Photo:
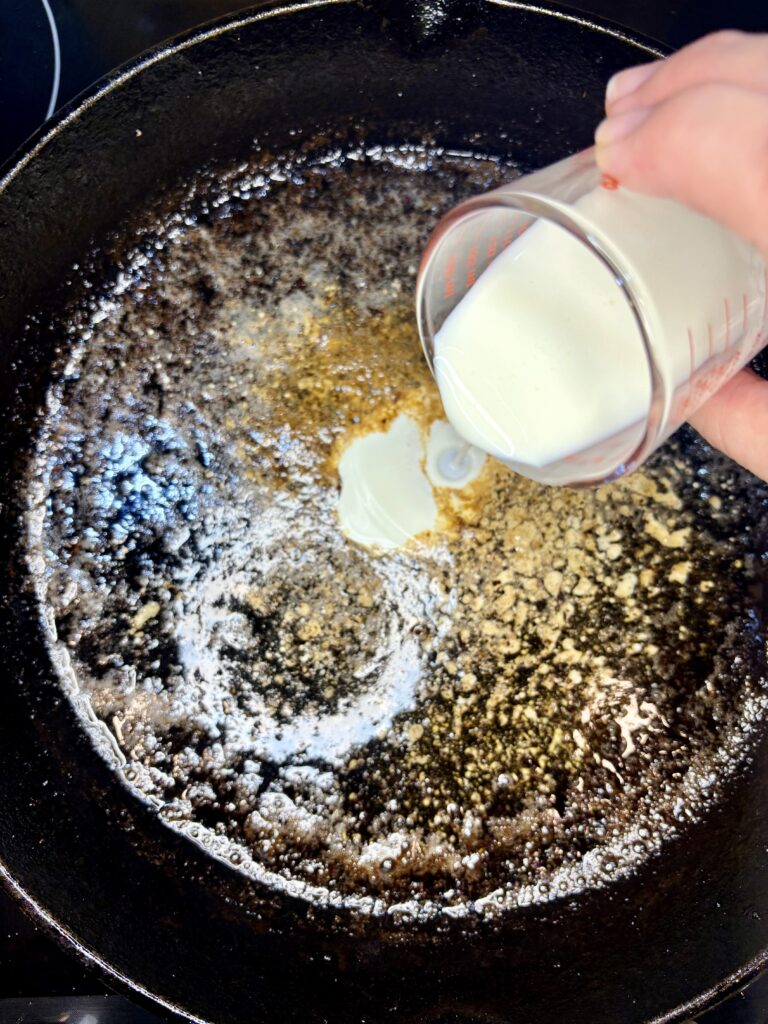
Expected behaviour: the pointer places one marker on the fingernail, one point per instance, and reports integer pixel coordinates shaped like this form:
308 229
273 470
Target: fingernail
626 82
614 129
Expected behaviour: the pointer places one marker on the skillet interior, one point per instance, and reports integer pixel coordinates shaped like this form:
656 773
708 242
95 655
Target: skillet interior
543 962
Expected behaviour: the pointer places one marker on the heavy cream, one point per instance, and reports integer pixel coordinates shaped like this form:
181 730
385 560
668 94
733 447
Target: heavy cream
385 497
388 480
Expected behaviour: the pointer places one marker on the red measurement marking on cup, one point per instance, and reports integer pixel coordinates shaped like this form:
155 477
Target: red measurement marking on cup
509 234
493 245
449 288
472 265
608 181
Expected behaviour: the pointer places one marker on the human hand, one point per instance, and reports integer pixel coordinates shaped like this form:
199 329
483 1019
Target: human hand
694 128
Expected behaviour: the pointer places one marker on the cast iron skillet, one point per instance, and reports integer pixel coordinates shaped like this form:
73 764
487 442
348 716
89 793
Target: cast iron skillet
131 896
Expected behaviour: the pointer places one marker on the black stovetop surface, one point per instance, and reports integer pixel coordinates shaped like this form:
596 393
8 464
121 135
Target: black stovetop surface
93 36
50 50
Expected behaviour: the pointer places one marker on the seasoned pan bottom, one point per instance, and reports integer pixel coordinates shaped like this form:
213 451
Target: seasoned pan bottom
530 702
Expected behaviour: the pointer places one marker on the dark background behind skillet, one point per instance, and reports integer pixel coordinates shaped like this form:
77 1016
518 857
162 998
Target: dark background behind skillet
49 51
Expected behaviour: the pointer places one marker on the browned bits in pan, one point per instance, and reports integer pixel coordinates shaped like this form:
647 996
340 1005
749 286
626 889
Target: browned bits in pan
530 702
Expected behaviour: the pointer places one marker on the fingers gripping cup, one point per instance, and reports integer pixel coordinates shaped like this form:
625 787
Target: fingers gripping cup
572 325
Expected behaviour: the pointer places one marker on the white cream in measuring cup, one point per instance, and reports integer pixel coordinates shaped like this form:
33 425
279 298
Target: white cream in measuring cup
566 366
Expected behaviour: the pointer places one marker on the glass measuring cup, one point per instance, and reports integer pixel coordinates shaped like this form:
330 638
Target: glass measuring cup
611 318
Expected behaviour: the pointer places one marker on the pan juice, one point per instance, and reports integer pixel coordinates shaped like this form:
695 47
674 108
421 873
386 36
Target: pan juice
524 704
543 357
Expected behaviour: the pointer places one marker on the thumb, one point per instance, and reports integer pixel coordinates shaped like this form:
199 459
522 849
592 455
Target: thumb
735 420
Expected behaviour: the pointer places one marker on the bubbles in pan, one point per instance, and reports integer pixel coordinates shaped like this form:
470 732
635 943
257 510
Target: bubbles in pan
528 702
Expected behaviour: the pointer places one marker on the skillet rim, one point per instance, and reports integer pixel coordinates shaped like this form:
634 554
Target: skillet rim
16 165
